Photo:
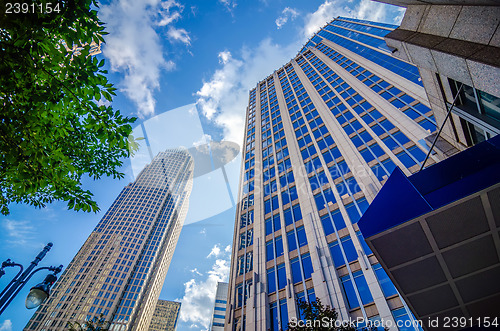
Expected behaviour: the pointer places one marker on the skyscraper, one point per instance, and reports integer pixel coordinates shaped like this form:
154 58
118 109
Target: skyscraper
323 133
218 316
120 269
165 316
442 248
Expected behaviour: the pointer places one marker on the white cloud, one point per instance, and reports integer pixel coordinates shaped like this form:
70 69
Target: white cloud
223 98
228 249
179 35
229 4
168 12
195 271
400 14
287 14
371 10
325 13
199 296
133 45
6 326
224 57
19 232
205 139
215 251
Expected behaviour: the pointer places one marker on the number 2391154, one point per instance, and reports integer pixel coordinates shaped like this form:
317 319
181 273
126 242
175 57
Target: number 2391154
31 8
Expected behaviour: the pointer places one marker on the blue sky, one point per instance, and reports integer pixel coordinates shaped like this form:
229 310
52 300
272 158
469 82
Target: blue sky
191 63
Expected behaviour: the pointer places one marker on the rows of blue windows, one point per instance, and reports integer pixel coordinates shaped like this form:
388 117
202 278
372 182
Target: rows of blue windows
333 221
319 179
360 139
405 150
275 247
342 178
358 32
344 250
372 28
417 111
130 255
357 276
275 321
336 34
301 266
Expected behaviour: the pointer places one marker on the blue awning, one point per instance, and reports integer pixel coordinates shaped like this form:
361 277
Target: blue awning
404 198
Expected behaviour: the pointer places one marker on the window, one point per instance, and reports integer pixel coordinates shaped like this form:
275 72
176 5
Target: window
288 216
269 251
338 220
363 290
297 214
366 249
301 236
281 276
352 211
417 153
271 281
239 295
246 239
276 222
267 206
269 226
273 309
384 281
311 297
402 318
284 314
241 265
407 161
275 202
279 246
307 265
292 244
349 251
352 300
327 225
296 272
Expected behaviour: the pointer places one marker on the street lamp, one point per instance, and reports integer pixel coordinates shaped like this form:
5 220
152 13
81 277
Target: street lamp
39 293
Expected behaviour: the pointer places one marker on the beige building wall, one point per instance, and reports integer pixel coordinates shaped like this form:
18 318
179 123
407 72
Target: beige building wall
165 316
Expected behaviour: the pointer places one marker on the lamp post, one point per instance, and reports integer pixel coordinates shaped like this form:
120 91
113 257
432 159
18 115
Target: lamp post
38 293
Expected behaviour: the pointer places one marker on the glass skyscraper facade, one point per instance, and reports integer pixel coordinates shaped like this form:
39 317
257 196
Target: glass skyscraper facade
120 269
165 316
323 133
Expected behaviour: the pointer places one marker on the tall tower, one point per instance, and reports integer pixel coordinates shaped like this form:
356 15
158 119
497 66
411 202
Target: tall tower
323 133
120 269
217 323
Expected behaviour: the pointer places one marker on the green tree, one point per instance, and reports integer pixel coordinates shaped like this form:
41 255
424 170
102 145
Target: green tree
53 127
95 324
317 317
